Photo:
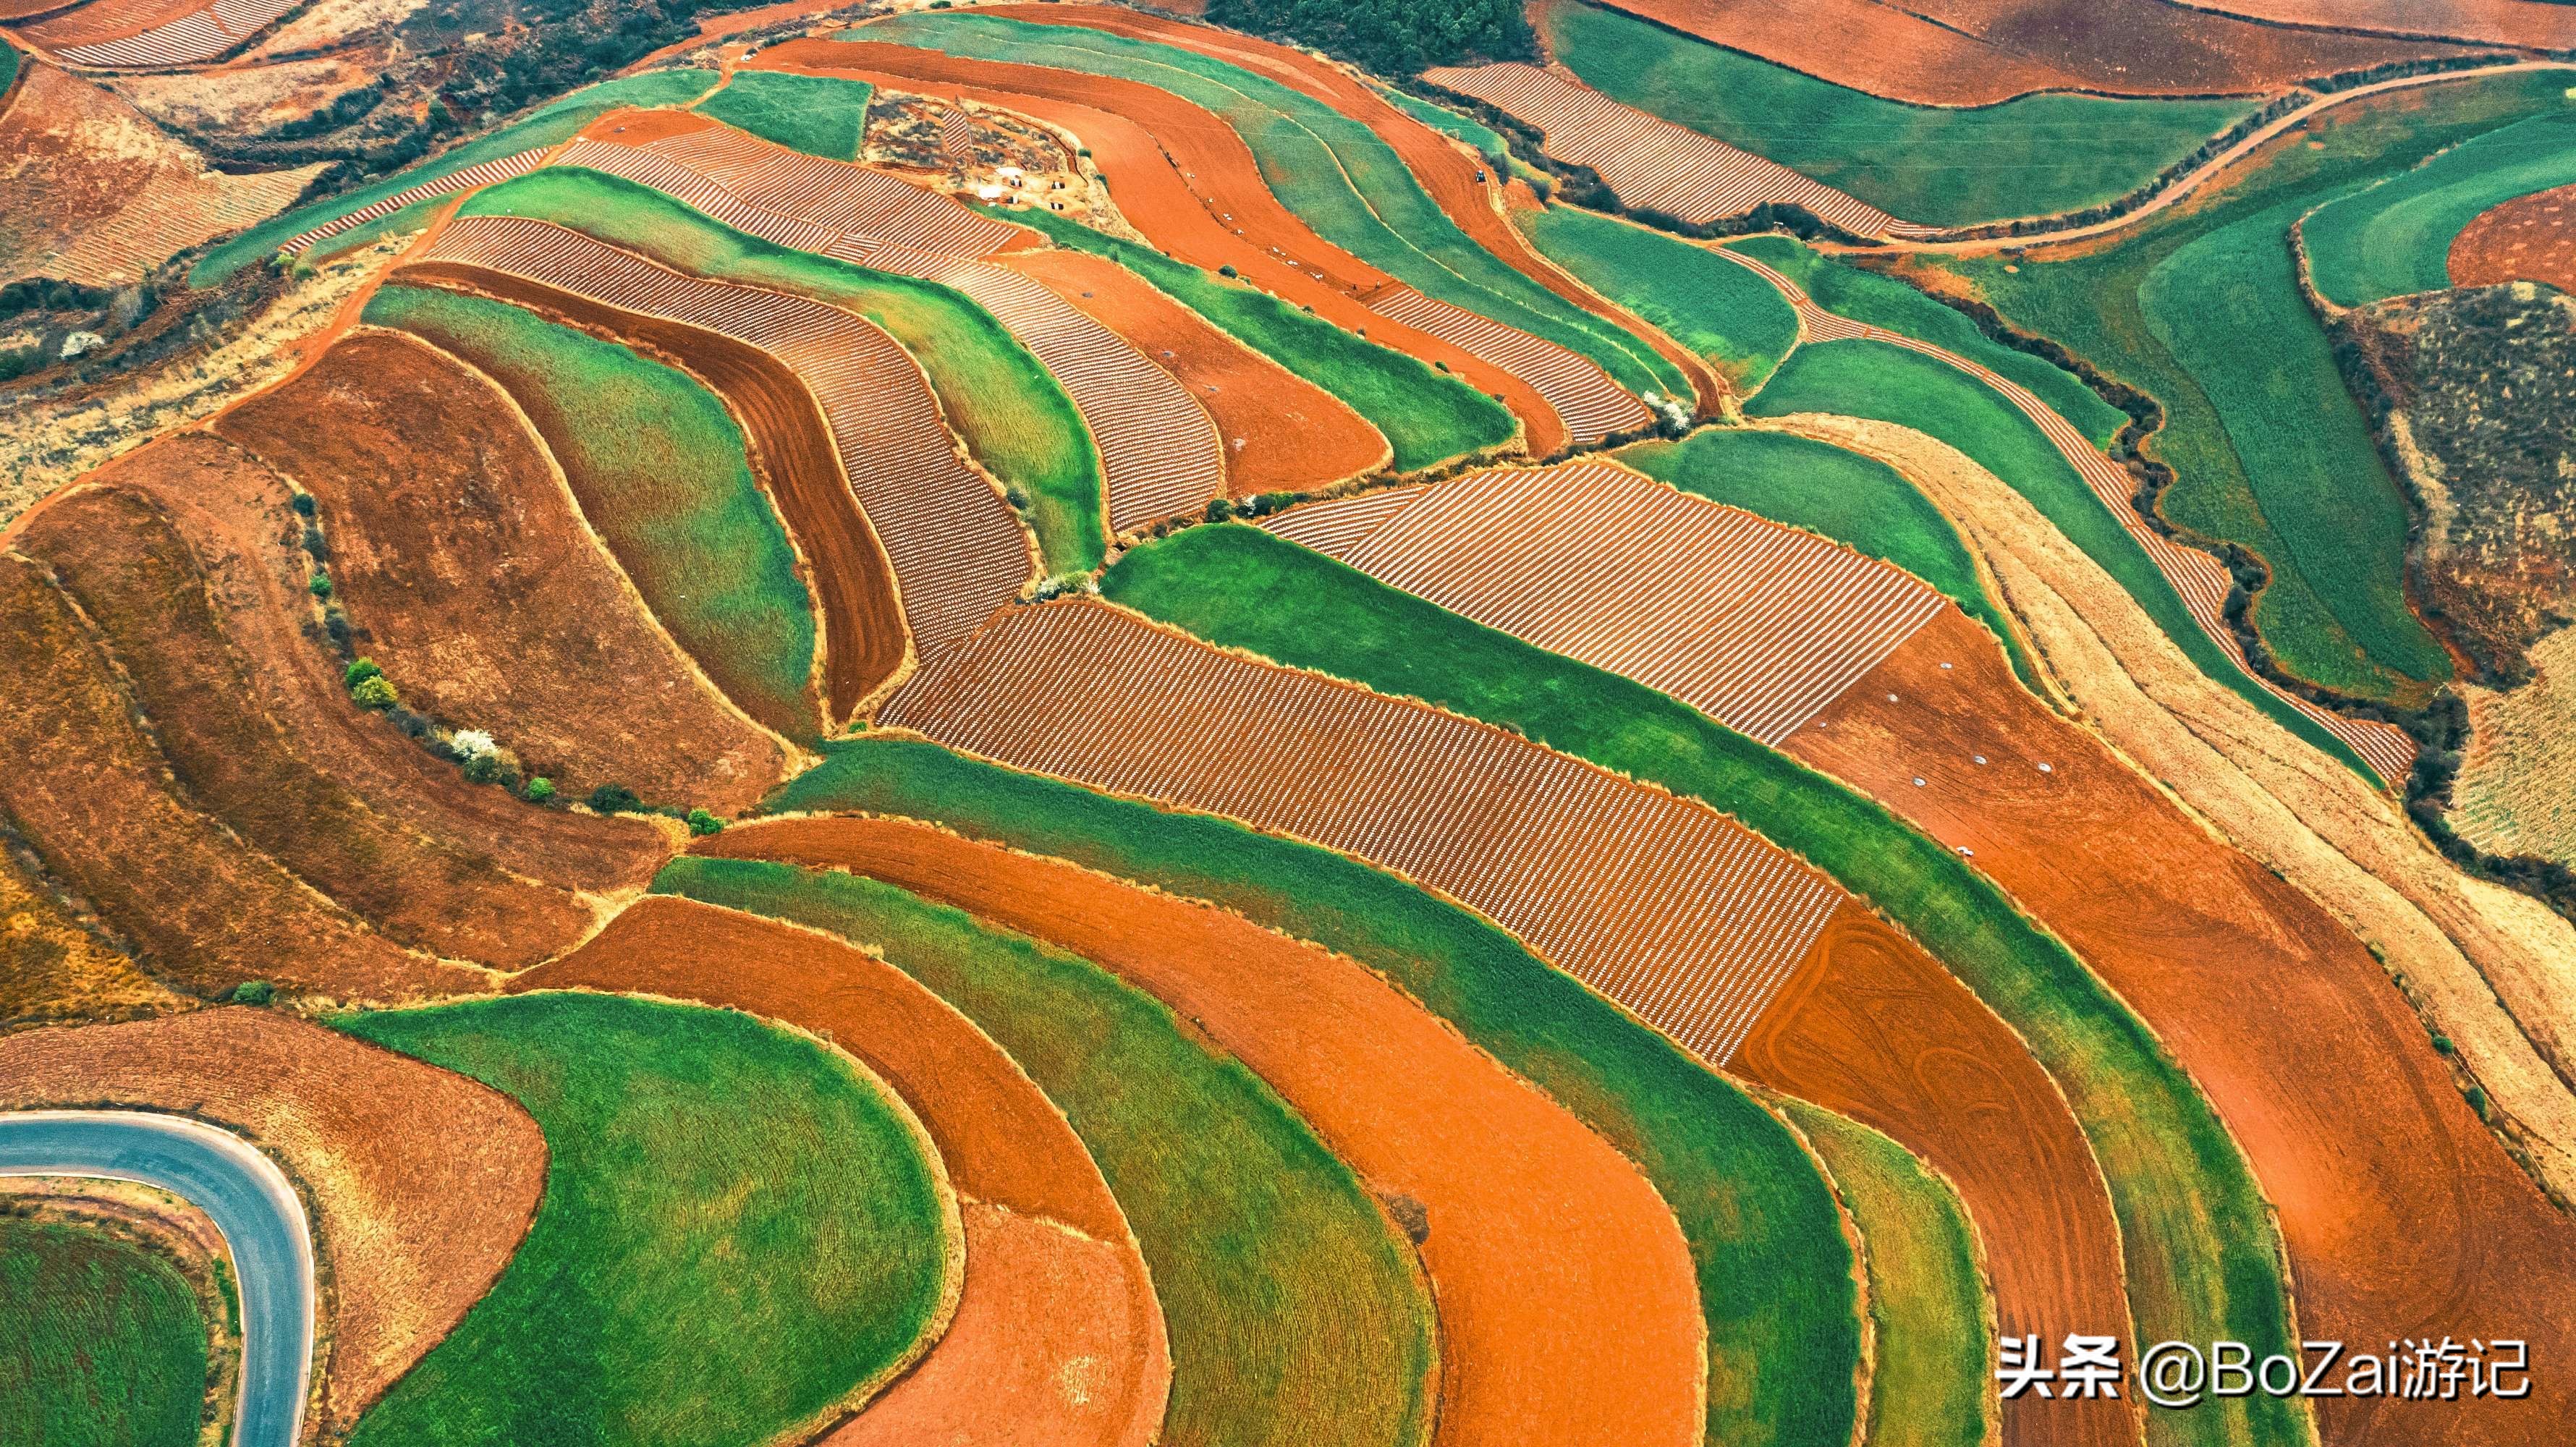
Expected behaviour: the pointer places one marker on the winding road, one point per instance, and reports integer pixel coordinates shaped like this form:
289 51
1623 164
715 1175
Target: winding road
251 1202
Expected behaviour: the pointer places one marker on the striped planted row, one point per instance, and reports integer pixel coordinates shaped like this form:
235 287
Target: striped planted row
1159 451
482 174
1661 903
198 36
1653 164
956 550
1756 625
1590 404
2201 580
1337 526
839 194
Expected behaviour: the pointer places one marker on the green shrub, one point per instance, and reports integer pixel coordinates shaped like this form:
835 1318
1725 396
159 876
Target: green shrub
702 823
615 799
360 671
482 768
374 692
540 790
253 992
319 585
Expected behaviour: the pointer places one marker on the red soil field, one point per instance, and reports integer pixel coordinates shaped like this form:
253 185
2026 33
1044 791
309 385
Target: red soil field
458 550
1281 433
146 589
1569 1311
1754 624
420 1182
1186 180
2529 238
1873 1027
864 643
1003 1142
1660 903
1977 52
2504 22
89 792
2402 1215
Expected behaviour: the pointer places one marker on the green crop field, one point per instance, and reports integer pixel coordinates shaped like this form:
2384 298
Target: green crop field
104 1344
1295 1314
1841 495
1331 170
2317 475
549 125
1006 407
815 114
2034 155
2093 304
1707 303
8 66
1890 384
1488 143
399 222
1775 1273
740 1230
660 470
2395 238
1927 1298
1427 417
2200 1248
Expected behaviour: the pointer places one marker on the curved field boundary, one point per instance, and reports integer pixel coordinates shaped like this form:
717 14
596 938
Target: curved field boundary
1160 454
843 195
472 178
1757 625
1590 404
1652 163
956 549
2200 579
2395 238
1664 905
198 36
2529 238
253 1205
1338 525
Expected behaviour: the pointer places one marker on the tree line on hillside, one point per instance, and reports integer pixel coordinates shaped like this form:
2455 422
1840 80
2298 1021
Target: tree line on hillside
1391 37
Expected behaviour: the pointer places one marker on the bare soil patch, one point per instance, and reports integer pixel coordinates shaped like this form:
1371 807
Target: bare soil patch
2529 238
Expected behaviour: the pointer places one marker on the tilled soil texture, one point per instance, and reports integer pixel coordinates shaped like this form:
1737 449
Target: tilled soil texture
1567 1297
2501 22
1978 52
2402 1215
92 192
420 1182
460 556
1187 182
1464 186
148 591
235 512
90 791
1873 1027
2529 238
865 645
1004 1144
1281 432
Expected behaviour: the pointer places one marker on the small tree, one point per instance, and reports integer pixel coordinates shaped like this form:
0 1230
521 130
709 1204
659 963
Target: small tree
253 992
701 822
614 799
541 790
320 585
375 693
360 671
482 768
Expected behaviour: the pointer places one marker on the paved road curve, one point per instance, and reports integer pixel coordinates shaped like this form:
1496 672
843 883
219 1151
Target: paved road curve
251 1203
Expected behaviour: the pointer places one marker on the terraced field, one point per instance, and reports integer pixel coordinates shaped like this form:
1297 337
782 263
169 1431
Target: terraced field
1742 328
2397 237
813 114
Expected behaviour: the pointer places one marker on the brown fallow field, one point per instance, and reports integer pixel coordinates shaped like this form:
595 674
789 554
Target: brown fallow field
419 1182
2529 238
1188 184
91 191
1569 1311
457 547
1281 432
956 550
1978 52
2402 1214
1057 1339
1660 903
2537 23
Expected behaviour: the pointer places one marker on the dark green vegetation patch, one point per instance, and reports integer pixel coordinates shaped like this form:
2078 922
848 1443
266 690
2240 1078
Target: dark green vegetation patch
816 114
1727 314
102 1343
739 1230
1391 37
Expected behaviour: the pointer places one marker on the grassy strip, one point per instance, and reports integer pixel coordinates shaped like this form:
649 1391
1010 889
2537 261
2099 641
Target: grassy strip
2395 238
1333 171
1841 495
2197 1236
816 114
1891 384
1428 417
105 1346
1927 1299
1006 407
414 217
661 471
2034 155
1295 1314
2316 471
1487 142
552 125
8 65
1774 1271
1709 304
1883 301
2092 303
739 1230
